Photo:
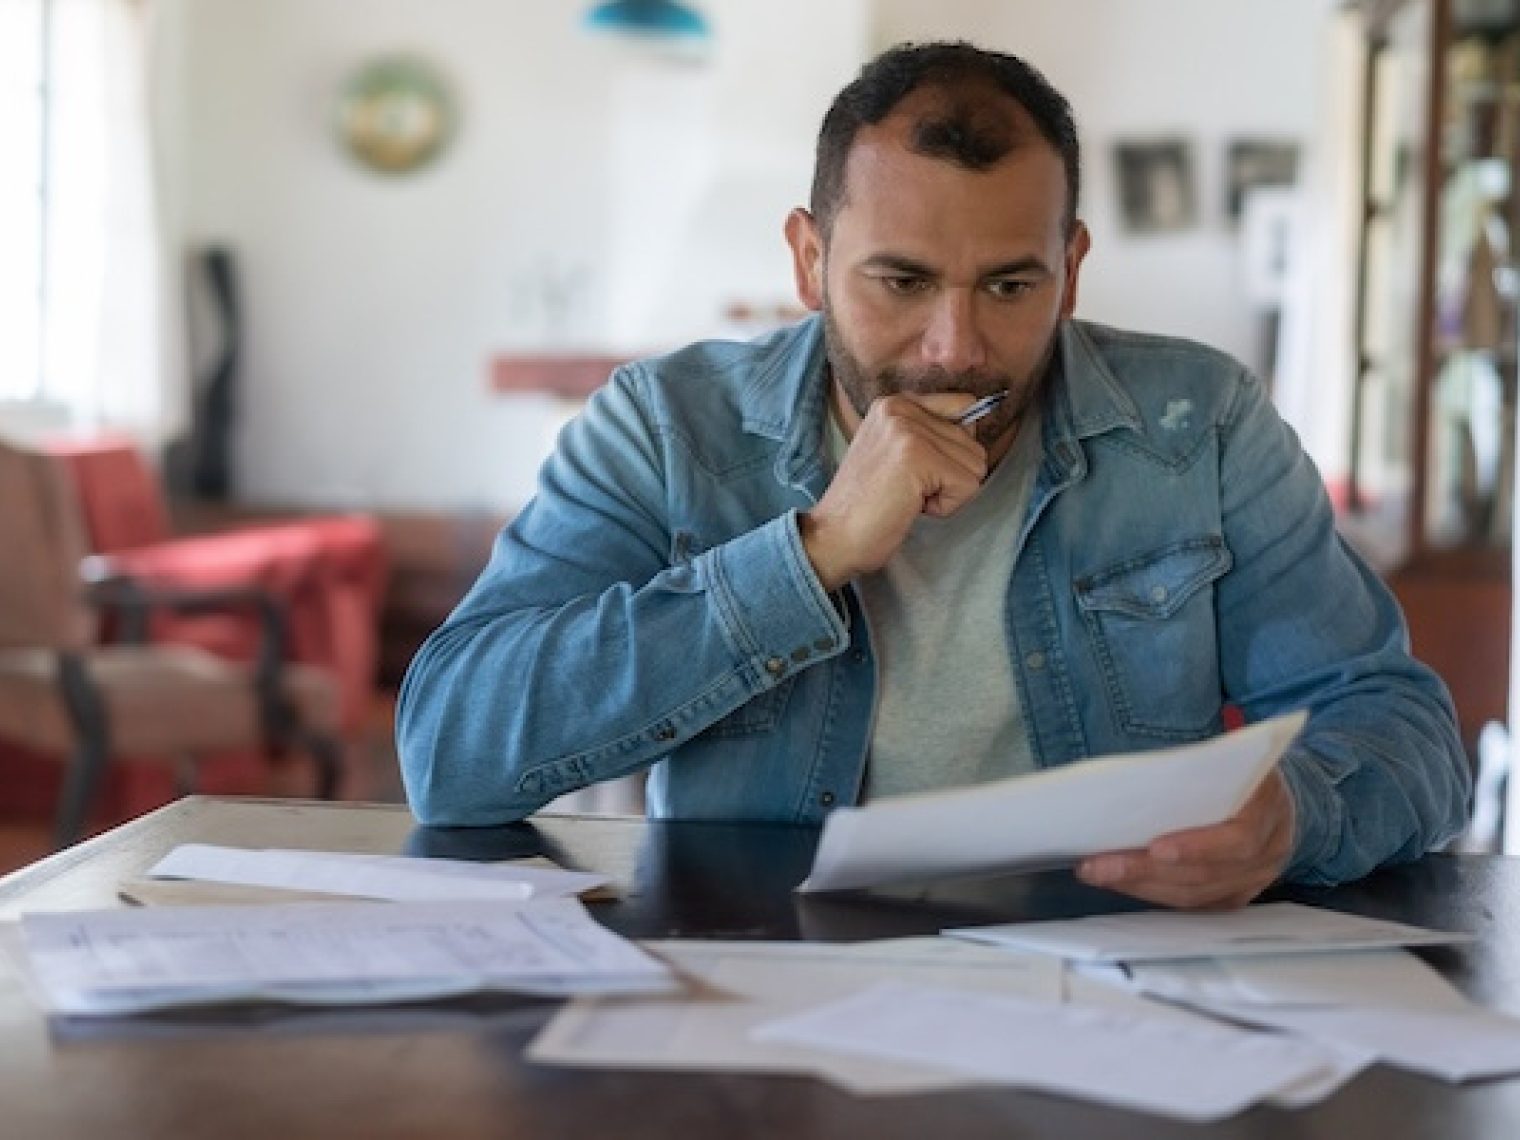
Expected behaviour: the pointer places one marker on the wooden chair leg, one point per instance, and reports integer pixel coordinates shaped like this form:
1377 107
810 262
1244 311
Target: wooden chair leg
186 775
81 782
327 752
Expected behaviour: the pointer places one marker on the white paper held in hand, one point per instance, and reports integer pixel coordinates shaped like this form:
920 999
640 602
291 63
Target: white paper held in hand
1052 818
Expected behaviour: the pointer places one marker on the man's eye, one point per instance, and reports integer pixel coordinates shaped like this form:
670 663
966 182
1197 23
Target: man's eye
905 285
1007 289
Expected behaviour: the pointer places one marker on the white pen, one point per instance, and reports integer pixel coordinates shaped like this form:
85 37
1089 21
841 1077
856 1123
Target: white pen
982 408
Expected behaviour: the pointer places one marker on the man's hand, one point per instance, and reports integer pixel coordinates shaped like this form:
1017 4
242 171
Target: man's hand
908 458
1219 867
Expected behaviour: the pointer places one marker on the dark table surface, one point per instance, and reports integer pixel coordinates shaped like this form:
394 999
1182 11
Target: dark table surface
456 1069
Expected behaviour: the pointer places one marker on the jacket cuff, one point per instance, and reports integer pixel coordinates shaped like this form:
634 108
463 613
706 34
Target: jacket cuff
771 602
1316 818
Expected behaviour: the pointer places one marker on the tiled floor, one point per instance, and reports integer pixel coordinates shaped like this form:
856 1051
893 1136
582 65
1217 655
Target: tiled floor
372 775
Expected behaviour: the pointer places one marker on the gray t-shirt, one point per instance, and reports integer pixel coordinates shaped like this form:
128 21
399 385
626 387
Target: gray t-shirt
947 708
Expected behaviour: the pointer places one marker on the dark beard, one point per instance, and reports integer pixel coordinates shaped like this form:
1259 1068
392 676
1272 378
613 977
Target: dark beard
863 389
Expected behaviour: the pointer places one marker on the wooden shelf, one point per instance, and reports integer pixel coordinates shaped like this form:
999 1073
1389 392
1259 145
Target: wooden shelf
573 376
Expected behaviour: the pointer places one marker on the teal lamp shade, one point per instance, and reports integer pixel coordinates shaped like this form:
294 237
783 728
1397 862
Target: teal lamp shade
661 19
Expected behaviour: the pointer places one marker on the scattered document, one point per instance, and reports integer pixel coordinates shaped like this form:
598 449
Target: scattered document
1267 928
130 960
1450 1045
1352 979
1049 819
738 986
1111 986
1195 1072
1386 1003
397 879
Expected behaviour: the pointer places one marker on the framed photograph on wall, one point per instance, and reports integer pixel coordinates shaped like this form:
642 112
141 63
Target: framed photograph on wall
1250 163
1157 185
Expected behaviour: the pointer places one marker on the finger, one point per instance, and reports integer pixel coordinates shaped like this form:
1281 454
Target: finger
1231 841
1127 871
1184 888
1219 893
946 462
1264 823
1214 896
914 414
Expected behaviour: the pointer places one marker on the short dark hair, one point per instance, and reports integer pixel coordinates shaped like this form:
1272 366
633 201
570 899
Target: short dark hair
960 134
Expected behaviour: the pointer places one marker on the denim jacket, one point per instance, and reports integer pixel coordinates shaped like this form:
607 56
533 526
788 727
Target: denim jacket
653 605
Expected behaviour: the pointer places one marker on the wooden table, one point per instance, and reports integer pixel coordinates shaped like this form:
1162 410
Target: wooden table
455 1070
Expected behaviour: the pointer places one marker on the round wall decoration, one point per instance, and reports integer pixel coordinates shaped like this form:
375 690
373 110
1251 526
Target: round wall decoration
395 114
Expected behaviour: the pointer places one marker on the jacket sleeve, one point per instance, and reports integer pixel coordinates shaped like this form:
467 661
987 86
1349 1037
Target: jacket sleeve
593 643
1379 773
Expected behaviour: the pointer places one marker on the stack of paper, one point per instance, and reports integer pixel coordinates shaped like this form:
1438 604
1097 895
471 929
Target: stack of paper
916 1015
123 961
924 1014
1384 1002
1197 1072
1337 979
1268 928
740 986
370 876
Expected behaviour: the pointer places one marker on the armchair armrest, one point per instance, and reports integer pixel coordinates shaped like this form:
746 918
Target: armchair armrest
133 602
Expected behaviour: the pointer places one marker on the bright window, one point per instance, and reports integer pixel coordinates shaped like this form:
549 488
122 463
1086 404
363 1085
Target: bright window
24 33
59 195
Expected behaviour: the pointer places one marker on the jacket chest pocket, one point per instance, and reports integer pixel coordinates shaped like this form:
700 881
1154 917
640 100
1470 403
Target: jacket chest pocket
1152 626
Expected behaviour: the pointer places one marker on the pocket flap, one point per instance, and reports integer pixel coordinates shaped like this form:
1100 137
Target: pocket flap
1157 584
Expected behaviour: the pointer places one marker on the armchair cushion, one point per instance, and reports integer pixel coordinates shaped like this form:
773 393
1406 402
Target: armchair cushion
158 699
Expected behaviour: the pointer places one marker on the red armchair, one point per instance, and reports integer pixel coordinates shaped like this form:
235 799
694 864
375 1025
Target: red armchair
327 572
65 694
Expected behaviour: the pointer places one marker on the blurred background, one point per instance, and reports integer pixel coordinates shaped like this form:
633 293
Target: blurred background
275 264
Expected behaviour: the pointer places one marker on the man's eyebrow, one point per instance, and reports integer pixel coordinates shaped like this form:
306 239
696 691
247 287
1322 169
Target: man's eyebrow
1014 268
901 263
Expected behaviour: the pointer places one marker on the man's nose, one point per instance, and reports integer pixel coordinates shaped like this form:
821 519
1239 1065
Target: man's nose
952 339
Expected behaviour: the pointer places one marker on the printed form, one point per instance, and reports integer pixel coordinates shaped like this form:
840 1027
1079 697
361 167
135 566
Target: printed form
124 961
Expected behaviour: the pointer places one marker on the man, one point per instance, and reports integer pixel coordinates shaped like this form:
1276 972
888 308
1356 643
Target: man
784 575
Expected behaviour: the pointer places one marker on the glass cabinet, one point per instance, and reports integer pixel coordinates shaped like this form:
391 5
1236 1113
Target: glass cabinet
1432 450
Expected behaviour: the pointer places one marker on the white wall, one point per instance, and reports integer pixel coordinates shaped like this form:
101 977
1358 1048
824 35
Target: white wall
374 305
650 193
1206 70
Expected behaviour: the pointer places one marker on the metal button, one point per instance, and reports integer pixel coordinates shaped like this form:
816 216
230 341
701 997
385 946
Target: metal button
665 732
802 654
1158 593
827 799
775 666
1035 660
824 644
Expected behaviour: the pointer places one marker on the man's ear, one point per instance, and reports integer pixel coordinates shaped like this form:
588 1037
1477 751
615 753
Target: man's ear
807 257
1076 249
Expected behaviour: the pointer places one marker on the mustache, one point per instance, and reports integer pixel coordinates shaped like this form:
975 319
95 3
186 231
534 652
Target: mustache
943 380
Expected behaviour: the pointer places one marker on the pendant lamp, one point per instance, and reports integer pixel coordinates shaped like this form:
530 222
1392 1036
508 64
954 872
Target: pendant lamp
658 19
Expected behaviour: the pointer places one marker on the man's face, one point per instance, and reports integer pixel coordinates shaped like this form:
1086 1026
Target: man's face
935 278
